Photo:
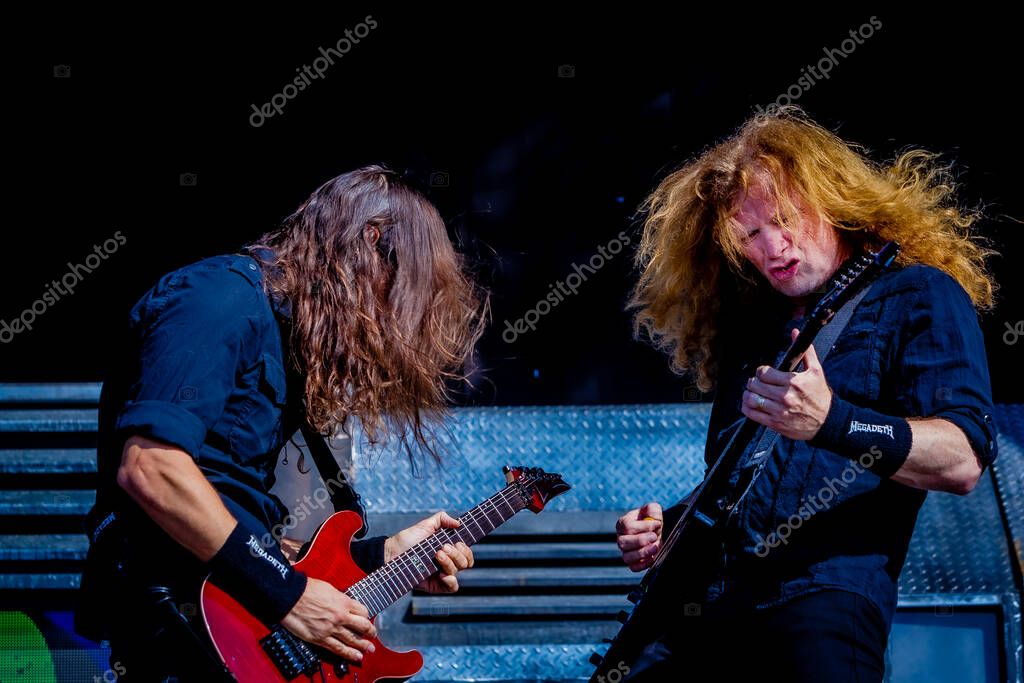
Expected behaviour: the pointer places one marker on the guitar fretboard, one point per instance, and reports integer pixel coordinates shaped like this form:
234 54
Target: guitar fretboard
386 585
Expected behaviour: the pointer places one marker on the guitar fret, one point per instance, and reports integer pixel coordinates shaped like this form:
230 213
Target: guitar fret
408 574
386 586
371 601
389 583
494 510
482 532
378 603
374 594
511 510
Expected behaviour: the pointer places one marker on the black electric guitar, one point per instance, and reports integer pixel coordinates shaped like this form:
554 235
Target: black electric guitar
686 563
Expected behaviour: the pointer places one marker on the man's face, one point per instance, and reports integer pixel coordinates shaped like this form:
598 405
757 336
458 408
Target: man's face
794 269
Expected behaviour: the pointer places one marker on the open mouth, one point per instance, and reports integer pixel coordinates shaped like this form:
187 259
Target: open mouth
787 271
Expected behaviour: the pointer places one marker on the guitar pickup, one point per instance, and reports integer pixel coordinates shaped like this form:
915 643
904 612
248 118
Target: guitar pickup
292 656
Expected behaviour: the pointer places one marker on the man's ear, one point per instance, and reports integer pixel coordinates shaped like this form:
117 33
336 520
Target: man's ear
371 233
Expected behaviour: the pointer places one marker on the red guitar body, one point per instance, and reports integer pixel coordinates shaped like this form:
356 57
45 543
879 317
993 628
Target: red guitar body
236 633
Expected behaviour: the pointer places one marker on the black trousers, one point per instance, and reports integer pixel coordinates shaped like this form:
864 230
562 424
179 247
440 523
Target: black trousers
153 617
160 638
830 635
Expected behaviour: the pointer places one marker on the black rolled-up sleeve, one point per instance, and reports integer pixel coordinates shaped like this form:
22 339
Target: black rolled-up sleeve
942 367
368 553
191 331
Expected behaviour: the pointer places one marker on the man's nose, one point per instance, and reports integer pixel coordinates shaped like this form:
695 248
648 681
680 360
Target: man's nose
777 241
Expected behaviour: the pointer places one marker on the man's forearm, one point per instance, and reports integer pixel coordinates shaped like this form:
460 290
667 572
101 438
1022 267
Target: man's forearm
166 483
928 453
940 459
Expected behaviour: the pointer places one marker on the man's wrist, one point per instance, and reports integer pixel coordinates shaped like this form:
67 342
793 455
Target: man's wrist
879 442
257 576
390 549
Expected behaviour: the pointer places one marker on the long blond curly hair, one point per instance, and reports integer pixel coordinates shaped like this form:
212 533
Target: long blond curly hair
382 331
690 257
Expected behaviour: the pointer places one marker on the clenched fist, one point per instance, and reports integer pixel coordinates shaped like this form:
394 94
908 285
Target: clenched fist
639 536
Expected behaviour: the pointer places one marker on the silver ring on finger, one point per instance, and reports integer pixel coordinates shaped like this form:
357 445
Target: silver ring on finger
760 402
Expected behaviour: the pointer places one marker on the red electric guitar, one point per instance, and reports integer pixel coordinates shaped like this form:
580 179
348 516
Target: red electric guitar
256 654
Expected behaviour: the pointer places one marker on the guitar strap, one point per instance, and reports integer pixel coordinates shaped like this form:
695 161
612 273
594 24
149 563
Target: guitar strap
824 342
343 495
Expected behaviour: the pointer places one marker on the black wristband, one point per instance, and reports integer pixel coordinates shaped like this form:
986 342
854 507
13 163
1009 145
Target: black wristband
880 443
257 576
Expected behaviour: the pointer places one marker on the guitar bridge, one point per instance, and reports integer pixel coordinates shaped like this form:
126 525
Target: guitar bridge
291 655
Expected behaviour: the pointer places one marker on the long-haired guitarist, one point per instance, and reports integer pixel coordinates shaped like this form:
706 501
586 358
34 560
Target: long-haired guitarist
738 246
358 306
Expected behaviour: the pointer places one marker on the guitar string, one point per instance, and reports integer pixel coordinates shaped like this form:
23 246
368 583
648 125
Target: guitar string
369 588
372 584
380 600
404 561
472 515
402 564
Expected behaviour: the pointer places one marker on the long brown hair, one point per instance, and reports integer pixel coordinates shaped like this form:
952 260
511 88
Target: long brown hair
383 331
690 257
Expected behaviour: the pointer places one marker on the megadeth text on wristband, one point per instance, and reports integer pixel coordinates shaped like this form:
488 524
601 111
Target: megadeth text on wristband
851 430
257 576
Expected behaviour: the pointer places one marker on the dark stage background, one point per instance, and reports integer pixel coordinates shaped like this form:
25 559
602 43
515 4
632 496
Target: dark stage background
536 135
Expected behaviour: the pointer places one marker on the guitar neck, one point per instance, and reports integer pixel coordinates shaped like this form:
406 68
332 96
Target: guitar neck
846 286
387 585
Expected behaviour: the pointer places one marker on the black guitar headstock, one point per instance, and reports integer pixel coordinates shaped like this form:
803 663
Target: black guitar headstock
850 280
